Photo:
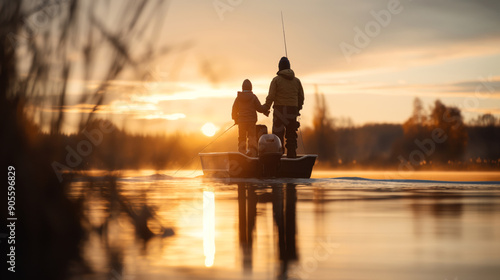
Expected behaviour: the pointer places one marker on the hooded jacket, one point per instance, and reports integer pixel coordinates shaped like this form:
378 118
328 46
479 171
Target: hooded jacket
245 107
285 90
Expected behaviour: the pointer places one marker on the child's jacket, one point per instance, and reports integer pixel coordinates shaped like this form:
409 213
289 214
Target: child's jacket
245 107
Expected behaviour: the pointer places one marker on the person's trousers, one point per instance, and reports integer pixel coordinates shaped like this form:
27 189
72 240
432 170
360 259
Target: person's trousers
285 125
247 131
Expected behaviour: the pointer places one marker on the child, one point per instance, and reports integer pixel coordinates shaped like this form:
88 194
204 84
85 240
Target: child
245 108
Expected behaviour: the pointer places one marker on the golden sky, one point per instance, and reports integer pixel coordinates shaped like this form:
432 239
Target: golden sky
370 59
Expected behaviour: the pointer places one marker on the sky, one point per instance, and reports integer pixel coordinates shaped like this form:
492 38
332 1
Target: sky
369 58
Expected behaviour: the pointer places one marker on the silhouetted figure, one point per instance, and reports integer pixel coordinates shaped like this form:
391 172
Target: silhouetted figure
287 94
244 113
247 212
284 212
284 201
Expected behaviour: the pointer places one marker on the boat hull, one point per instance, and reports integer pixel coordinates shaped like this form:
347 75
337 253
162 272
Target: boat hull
238 165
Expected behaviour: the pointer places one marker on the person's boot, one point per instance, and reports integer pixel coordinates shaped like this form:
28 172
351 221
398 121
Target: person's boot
242 147
252 147
291 153
291 150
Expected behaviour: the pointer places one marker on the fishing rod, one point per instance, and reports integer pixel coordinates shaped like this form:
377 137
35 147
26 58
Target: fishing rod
284 37
217 138
286 54
204 148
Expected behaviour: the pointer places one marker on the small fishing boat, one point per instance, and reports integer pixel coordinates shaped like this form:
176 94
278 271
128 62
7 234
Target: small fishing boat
238 165
270 163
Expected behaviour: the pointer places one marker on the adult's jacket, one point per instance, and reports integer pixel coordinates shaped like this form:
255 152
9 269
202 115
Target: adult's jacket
285 90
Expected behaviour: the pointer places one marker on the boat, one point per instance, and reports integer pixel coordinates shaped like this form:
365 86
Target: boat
270 162
238 165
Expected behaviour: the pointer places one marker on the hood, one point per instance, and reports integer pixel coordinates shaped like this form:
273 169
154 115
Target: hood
287 74
245 95
284 63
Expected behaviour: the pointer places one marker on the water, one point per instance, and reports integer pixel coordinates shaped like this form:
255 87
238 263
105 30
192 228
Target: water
323 228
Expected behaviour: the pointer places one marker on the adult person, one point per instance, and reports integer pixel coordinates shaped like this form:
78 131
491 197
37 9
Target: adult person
287 95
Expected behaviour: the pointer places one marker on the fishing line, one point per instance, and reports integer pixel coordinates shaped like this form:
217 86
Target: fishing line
203 149
302 139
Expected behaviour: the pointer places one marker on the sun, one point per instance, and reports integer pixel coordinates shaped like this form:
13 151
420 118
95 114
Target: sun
209 129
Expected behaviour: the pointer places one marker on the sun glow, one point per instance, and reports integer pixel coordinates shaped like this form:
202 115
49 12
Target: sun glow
209 129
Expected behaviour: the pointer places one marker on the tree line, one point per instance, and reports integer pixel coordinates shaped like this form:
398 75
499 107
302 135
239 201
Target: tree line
428 139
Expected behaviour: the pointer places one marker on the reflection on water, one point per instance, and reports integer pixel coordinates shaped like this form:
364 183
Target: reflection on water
209 227
284 199
155 227
247 212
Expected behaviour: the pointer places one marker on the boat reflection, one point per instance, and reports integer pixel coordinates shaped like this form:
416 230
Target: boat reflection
284 200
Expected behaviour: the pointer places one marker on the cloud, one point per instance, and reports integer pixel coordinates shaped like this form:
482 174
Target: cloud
170 117
424 32
357 83
483 86
493 111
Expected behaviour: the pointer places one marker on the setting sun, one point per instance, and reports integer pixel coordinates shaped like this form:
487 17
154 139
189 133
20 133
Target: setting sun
209 129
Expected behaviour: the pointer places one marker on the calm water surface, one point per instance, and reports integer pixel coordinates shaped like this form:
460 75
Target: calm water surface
336 226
